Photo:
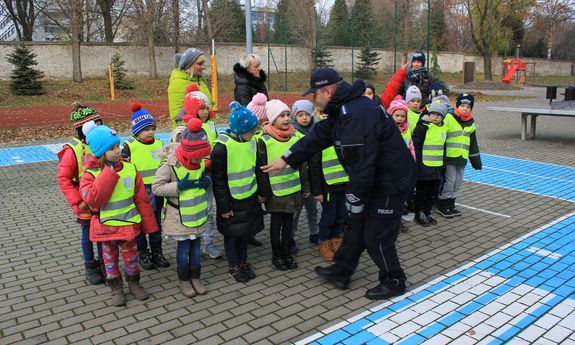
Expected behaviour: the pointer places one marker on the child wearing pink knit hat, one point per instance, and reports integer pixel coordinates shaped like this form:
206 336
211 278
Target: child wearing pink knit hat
398 110
258 106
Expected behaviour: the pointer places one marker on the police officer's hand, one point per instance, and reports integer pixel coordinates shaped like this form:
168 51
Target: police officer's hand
228 215
353 204
274 167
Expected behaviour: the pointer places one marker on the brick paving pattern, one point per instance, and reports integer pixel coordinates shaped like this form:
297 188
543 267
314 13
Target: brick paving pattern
44 298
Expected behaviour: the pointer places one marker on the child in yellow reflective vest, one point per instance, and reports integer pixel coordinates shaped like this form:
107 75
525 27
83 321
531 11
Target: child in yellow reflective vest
121 210
142 149
281 193
69 173
182 180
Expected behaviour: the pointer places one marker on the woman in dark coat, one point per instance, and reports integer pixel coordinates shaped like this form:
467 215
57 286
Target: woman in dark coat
249 79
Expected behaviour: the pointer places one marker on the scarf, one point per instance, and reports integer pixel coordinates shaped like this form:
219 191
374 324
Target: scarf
464 117
185 159
278 134
403 127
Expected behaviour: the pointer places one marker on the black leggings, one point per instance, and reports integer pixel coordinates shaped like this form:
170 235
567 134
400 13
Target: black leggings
281 224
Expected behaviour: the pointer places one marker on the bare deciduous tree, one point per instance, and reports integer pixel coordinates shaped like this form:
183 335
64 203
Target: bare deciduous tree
550 16
23 14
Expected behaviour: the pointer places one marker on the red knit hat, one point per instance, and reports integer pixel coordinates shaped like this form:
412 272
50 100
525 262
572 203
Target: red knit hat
195 100
194 143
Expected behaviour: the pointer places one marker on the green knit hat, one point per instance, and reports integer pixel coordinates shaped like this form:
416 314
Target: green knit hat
82 114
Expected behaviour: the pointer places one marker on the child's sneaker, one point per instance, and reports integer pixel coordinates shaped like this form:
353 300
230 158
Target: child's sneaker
145 260
456 212
279 263
93 274
421 219
248 270
290 262
431 220
443 208
159 259
212 251
239 275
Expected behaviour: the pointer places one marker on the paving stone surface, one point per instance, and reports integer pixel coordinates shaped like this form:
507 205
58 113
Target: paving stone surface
44 298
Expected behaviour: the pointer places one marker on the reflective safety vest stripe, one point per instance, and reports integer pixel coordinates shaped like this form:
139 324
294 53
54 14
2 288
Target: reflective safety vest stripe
412 119
120 209
458 138
210 129
333 172
193 203
433 145
287 181
241 166
145 157
406 136
80 149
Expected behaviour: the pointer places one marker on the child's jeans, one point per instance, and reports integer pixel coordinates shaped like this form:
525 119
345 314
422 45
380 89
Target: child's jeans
333 215
425 193
452 181
111 250
188 254
236 250
281 225
88 246
310 205
154 238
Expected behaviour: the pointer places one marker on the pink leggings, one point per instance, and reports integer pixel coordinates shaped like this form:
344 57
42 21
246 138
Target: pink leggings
111 258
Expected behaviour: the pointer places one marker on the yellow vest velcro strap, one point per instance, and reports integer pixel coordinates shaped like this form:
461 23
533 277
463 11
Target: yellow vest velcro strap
241 175
457 146
335 175
193 202
433 147
243 189
122 216
433 158
330 163
147 173
116 205
188 218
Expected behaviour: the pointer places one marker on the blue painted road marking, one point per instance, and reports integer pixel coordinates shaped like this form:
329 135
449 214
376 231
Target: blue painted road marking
518 284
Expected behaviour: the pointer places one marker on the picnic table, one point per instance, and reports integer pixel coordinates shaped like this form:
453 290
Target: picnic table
533 113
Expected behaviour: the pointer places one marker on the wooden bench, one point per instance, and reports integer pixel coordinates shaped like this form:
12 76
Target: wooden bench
533 112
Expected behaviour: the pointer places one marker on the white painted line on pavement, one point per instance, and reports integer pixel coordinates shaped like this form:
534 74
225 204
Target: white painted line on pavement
482 210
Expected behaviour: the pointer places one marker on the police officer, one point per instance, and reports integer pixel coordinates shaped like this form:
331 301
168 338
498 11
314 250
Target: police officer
381 172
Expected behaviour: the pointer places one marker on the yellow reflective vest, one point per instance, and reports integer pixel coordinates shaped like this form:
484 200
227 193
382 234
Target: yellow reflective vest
433 145
120 209
288 180
210 129
333 172
80 149
412 119
145 157
193 203
241 166
458 138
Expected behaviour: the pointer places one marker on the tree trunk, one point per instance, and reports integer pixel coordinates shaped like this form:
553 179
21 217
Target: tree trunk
106 10
176 17
150 12
487 67
76 29
208 21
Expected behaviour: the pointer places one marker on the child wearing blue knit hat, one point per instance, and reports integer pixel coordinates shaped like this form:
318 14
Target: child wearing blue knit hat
239 214
143 150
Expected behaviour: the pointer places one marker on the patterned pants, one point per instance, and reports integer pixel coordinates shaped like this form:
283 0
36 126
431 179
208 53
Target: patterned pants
111 250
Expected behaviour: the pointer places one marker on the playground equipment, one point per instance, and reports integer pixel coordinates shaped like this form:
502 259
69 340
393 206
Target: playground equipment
511 67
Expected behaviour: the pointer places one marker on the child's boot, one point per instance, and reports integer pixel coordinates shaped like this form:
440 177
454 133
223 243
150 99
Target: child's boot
159 259
196 282
278 260
443 208
135 288
421 219
185 284
287 255
248 270
453 209
431 220
117 287
238 274
102 267
145 259
93 274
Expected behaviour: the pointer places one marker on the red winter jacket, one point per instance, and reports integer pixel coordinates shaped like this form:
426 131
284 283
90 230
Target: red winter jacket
96 191
66 173
391 88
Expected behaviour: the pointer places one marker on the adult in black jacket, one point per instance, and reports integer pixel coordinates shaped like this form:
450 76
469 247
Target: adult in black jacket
418 75
381 171
249 79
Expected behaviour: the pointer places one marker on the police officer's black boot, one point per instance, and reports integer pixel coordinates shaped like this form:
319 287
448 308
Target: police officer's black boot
334 276
388 290
454 209
443 208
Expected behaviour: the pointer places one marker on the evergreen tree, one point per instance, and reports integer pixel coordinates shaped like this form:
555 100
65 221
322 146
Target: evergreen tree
321 57
338 25
25 79
362 23
435 68
368 60
228 21
282 23
438 27
119 72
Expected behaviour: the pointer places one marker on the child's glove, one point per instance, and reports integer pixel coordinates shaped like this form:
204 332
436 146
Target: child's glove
476 162
205 182
186 183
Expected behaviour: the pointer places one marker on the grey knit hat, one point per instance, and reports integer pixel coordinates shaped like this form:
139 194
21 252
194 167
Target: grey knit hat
437 107
184 60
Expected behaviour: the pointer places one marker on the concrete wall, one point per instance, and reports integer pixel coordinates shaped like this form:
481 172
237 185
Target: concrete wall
56 62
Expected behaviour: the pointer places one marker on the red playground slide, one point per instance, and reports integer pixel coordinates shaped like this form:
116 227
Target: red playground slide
510 67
